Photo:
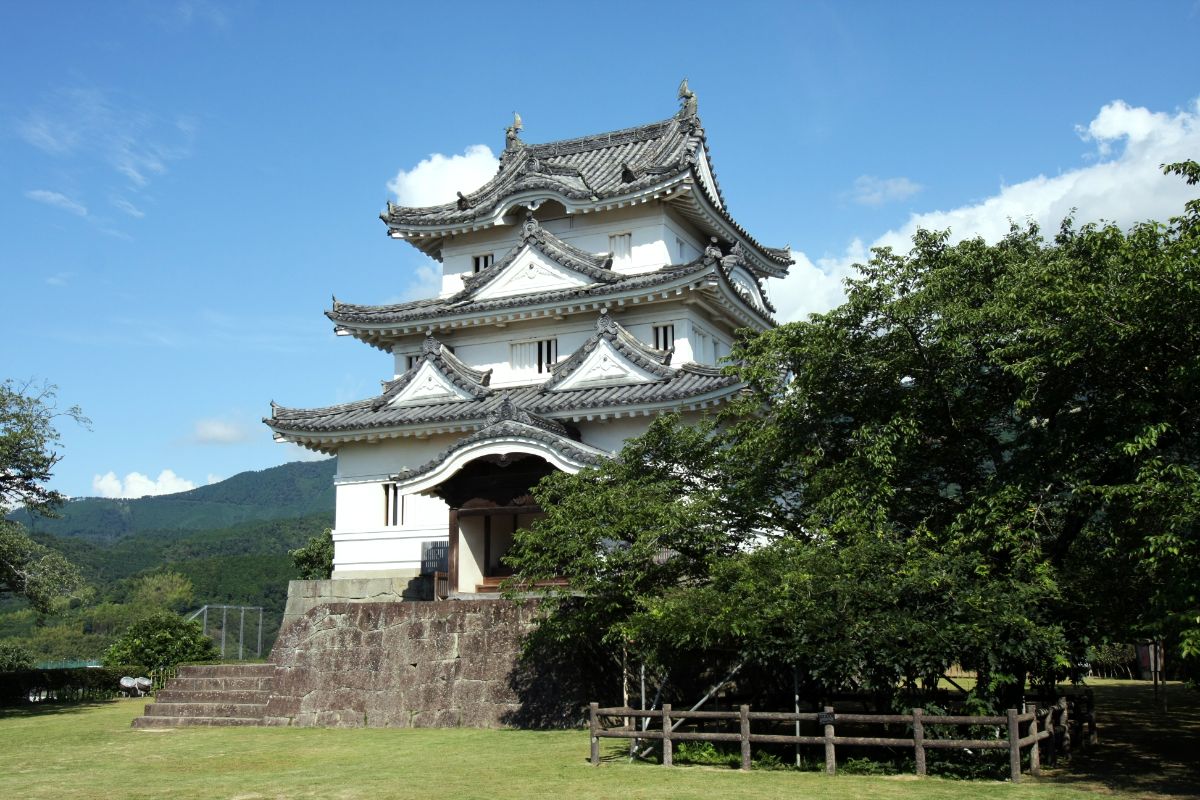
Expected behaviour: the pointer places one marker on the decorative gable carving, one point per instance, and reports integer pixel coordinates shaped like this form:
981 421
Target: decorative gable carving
605 364
611 356
746 285
429 385
531 272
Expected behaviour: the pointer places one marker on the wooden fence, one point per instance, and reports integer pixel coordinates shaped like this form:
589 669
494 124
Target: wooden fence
671 719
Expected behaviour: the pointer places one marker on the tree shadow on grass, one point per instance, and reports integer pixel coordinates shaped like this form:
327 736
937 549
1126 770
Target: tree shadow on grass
52 708
1142 749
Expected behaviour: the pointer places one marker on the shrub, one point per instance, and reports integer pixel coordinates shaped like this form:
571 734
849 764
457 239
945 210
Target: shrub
315 559
161 640
14 657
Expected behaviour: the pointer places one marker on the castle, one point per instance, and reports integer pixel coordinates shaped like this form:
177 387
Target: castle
590 285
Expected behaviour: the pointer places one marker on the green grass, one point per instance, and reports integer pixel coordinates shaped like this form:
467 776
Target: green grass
91 752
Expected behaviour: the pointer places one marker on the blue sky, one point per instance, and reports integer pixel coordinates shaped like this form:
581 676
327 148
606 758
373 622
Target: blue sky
183 185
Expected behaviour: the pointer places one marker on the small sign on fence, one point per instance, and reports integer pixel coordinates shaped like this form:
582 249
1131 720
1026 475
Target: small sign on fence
826 718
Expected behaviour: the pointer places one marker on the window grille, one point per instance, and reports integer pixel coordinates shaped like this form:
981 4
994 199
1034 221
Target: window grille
435 557
538 356
410 360
393 506
480 263
664 336
621 245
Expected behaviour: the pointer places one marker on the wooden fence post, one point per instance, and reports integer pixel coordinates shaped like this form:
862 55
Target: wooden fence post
918 740
1035 755
744 711
830 752
668 751
592 726
1014 746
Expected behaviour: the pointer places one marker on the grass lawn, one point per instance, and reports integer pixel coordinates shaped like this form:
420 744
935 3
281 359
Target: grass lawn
91 752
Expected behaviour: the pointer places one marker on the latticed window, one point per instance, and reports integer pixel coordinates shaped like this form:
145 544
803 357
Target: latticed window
480 263
664 336
539 355
621 246
393 505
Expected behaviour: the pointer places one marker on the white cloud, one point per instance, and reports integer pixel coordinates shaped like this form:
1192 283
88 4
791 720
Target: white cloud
872 191
138 485
58 200
80 122
213 479
60 278
128 207
437 179
219 431
1123 184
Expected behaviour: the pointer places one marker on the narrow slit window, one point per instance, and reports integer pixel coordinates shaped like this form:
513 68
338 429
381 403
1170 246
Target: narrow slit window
393 506
538 356
482 262
664 336
621 245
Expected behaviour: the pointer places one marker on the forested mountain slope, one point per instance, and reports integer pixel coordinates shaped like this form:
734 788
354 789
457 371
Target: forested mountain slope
291 490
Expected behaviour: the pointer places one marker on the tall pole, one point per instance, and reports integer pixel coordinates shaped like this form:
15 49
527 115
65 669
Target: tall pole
206 620
224 617
796 705
259 651
241 632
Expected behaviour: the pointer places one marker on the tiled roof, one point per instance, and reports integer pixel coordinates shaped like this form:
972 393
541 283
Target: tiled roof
462 303
688 382
373 323
643 356
588 172
510 421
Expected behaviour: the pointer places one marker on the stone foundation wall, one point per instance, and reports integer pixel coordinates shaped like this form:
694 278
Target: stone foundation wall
399 664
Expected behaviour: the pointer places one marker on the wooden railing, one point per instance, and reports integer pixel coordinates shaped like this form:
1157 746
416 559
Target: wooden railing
670 720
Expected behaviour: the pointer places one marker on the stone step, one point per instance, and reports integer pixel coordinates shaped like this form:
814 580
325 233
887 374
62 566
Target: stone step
177 695
187 722
235 710
227 671
221 684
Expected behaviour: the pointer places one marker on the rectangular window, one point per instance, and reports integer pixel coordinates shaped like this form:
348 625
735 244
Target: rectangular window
409 360
681 251
538 356
664 336
705 351
480 263
621 245
393 506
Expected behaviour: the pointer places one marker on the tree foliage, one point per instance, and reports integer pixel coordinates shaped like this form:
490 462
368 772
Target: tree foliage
161 640
963 463
314 560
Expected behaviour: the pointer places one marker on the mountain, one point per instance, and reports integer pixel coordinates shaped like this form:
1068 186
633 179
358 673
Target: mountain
299 489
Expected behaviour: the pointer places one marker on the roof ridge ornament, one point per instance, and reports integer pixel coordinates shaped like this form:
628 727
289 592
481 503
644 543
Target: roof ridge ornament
688 100
430 345
605 323
512 139
531 226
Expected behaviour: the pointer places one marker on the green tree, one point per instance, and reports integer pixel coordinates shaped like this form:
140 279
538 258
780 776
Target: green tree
315 559
166 590
14 657
964 462
27 458
161 640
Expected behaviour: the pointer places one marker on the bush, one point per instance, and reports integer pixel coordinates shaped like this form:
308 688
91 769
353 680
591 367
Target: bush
315 559
161 640
14 657
64 685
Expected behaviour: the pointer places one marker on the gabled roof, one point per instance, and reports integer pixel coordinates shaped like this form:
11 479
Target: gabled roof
380 325
598 268
642 357
689 386
466 382
666 159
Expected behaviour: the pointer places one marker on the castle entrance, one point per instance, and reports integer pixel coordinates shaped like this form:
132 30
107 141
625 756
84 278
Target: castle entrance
489 501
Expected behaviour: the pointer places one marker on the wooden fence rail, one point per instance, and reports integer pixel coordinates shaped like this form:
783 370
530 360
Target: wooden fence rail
667 733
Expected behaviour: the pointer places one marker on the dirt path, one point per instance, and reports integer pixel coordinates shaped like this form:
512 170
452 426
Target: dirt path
1142 750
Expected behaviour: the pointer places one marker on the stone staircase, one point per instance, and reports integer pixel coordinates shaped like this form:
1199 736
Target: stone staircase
218 694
